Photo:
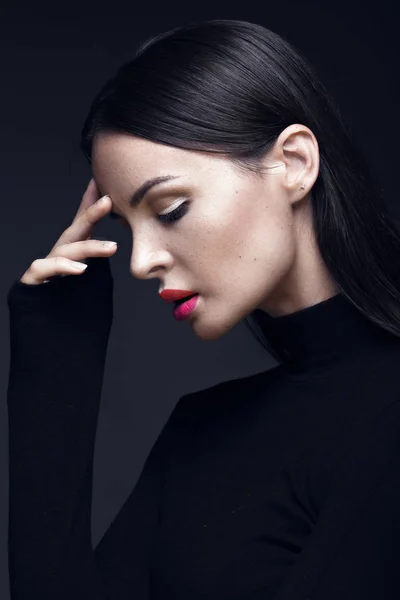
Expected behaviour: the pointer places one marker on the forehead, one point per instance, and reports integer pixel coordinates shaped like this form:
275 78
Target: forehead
118 154
122 164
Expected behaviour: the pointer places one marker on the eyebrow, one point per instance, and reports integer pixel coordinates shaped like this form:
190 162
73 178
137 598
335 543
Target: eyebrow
141 192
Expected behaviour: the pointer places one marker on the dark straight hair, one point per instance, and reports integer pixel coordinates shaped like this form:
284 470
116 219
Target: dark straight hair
232 87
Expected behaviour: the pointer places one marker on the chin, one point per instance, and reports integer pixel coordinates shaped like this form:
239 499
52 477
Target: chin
210 331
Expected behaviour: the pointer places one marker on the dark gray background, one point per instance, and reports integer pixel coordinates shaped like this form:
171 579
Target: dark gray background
53 61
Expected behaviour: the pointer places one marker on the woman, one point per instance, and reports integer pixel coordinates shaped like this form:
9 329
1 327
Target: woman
222 152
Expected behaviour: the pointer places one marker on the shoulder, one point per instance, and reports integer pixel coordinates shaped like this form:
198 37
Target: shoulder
376 430
224 394
372 451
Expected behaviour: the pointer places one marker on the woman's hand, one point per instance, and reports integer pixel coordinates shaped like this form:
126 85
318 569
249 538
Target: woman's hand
75 243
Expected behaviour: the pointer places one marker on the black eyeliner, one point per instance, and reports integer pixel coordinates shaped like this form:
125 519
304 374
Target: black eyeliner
174 215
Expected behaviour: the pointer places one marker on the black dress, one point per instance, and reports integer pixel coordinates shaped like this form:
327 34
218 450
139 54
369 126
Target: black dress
284 485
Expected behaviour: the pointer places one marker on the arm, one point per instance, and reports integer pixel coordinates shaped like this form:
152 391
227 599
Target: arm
354 552
59 335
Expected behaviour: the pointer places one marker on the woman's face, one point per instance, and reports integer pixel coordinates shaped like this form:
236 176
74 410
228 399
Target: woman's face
234 238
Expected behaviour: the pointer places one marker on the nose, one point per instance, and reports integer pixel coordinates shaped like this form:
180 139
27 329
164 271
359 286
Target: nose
147 262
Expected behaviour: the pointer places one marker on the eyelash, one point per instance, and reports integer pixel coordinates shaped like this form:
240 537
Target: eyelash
174 215
166 219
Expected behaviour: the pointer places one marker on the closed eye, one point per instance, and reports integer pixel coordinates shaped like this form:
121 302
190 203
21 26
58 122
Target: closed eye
174 215
165 218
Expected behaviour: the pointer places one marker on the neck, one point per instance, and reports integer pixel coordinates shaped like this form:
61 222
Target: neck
320 337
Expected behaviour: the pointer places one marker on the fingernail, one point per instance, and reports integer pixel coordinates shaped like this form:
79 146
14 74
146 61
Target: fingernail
100 200
108 244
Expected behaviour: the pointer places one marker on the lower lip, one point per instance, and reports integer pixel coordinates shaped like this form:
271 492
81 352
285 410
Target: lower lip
182 311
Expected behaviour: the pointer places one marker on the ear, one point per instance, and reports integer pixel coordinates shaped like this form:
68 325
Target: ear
297 150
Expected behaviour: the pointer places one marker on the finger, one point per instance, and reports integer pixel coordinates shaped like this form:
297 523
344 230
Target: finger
90 196
82 227
44 268
80 251
60 263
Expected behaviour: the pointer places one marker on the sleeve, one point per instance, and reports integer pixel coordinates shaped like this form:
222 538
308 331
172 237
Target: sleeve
59 334
353 552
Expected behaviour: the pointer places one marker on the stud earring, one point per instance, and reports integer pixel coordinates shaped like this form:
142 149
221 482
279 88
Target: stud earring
302 187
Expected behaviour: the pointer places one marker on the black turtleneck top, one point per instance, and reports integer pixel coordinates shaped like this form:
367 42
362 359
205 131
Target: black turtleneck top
283 485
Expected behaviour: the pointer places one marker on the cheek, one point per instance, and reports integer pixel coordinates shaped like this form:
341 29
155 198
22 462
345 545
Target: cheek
248 256
255 236
236 243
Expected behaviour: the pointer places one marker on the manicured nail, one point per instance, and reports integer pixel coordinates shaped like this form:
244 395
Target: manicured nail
103 199
108 244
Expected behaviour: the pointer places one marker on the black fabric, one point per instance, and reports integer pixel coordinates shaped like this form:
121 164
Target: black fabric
284 485
322 336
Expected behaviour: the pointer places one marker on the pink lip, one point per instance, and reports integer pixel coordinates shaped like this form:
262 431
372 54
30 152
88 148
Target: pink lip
182 311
